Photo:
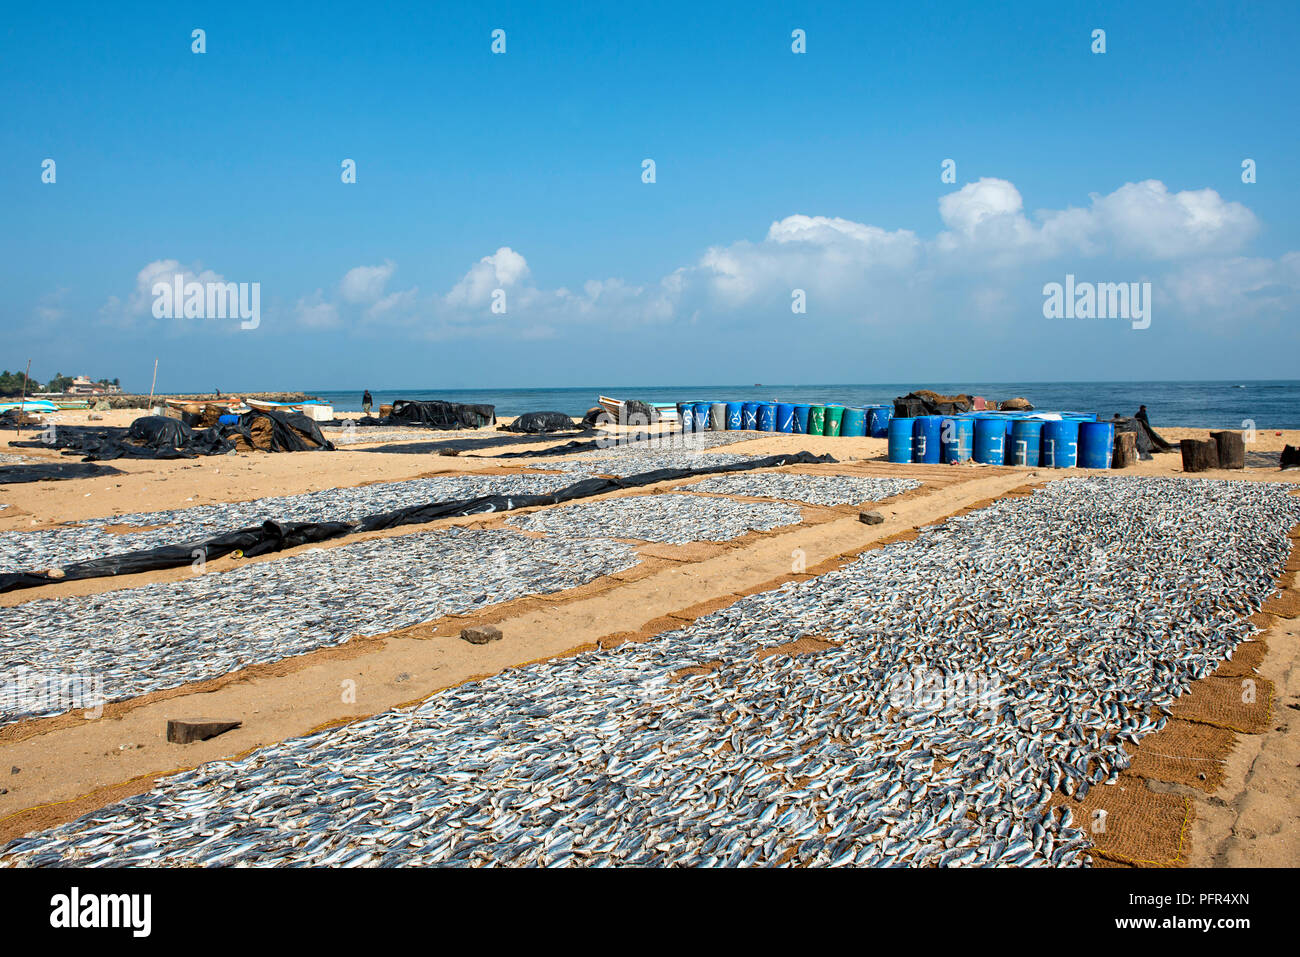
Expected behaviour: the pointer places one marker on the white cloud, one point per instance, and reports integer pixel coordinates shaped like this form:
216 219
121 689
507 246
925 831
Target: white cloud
986 225
165 270
1238 287
365 284
314 312
137 309
986 263
51 307
1145 219
501 270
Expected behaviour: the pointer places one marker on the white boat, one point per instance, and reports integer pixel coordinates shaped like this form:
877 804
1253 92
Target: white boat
313 409
617 408
31 405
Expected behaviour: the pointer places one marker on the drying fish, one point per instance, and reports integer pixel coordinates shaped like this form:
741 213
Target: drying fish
63 654
999 657
813 489
671 519
46 548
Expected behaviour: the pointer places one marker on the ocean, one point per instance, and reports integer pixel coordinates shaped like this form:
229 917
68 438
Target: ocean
1211 405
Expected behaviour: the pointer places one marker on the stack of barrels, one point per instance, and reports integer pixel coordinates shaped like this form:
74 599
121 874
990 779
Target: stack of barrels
991 438
796 418
1004 438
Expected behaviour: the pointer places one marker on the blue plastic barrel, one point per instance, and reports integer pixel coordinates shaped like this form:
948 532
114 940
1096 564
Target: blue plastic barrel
1026 442
801 410
227 420
1096 442
854 422
686 412
900 439
956 436
785 416
926 447
767 417
990 441
702 410
1061 443
750 416
878 420
735 415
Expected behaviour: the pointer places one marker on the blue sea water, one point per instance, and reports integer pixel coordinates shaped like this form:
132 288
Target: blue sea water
1214 405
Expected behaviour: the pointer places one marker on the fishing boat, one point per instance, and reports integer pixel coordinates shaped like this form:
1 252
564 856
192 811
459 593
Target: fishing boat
617 408
30 405
314 409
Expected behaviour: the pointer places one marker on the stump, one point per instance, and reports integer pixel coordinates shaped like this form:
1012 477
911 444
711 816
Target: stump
1199 455
481 635
1126 450
186 730
1231 448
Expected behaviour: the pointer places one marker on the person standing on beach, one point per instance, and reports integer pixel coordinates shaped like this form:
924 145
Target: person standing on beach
366 401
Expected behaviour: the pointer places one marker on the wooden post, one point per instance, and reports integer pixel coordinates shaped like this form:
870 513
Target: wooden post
22 405
1231 448
1125 453
1199 455
153 383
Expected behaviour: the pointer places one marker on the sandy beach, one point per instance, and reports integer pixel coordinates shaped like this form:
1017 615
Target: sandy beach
64 766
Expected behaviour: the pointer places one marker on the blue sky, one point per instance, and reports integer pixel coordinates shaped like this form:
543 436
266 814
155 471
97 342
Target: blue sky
774 172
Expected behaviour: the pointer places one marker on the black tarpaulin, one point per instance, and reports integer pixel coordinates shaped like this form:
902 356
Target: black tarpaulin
162 437
275 431
53 472
273 536
637 412
540 423
1157 443
445 416
159 431
610 442
149 442
1143 443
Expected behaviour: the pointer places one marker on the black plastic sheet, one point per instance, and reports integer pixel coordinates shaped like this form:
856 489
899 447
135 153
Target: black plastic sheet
610 442
444 416
540 423
162 437
1143 443
290 431
273 536
53 472
1156 442
104 443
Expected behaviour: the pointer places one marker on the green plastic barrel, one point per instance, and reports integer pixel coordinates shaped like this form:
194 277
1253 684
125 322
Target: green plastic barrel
816 420
834 416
